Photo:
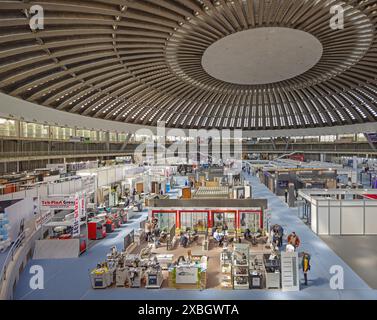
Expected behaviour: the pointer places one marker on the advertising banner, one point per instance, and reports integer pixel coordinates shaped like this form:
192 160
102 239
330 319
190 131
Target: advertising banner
76 217
83 206
56 203
42 218
186 275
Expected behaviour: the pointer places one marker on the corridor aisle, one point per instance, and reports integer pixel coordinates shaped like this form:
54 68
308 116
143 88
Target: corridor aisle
322 257
69 278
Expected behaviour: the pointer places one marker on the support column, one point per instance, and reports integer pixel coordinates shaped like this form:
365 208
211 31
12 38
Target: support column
177 221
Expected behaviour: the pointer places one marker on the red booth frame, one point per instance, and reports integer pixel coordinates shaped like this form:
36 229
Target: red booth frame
210 215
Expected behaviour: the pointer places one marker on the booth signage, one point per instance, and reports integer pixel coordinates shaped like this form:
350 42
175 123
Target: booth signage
76 217
186 275
83 207
42 219
57 203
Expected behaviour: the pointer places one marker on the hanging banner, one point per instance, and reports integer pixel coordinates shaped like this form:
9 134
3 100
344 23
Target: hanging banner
83 206
76 217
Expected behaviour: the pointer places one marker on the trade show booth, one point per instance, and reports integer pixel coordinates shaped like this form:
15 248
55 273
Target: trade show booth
340 211
234 214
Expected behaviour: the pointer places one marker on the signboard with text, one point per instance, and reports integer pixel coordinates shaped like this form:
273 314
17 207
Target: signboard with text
76 217
56 203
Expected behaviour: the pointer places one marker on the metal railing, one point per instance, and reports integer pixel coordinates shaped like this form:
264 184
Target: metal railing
60 153
10 256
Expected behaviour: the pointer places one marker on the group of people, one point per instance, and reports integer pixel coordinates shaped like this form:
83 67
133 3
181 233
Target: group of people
293 243
220 234
254 236
187 236
152 231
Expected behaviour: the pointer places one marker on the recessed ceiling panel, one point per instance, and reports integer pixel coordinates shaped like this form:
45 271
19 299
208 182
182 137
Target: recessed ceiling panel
262 56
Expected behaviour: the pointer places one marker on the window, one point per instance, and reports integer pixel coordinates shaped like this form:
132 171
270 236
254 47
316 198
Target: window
113 136
7 128
101 136
34 130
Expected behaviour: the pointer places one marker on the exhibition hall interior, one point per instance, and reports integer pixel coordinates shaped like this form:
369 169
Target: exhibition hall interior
188 149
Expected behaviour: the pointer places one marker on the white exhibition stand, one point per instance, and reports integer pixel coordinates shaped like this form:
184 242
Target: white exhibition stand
290 275
348 216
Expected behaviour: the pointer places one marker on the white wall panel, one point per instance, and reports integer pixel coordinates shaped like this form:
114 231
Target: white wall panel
370 220
32 193
102 178
334 220
65 187
72 184
314 218
111 175
323 220
78 185
119 173
6 197
352 220
43 191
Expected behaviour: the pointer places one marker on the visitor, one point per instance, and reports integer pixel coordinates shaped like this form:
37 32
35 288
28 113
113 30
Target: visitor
184 239
289 248
305 266
286 195
294 240
219 237
277 235
247 234
148 231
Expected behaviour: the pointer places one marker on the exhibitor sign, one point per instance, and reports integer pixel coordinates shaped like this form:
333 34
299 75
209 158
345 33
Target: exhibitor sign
56 203
76 217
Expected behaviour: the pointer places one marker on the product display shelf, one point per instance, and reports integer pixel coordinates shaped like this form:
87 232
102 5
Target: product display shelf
240 267
257 271
273 271
226 269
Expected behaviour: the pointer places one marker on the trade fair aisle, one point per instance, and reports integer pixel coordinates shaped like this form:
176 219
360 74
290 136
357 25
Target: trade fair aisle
359 252
322 257
69 278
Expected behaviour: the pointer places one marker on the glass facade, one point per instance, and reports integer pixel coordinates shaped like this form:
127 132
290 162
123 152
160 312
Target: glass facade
7 128
34 130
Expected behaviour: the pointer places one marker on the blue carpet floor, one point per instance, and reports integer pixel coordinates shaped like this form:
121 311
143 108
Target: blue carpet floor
69 278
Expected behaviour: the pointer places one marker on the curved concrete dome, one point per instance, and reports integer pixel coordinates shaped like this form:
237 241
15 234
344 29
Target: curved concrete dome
140 62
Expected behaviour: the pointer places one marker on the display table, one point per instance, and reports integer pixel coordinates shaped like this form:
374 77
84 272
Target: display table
189 275
165 260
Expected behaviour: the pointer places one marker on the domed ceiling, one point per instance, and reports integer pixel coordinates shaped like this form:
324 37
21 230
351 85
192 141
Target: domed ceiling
250 64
